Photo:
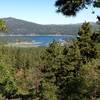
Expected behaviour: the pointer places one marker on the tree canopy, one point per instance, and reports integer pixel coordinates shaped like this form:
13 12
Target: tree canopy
71 7
71 73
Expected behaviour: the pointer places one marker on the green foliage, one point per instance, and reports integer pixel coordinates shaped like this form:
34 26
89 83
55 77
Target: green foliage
56 72
86 42
92 82
48 91
3 26
71 7
64 68
51 64
7 84
19 75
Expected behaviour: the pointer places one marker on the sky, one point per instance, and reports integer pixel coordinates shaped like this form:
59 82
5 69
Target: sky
43 12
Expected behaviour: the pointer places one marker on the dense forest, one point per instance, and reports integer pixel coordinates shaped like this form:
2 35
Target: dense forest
55 72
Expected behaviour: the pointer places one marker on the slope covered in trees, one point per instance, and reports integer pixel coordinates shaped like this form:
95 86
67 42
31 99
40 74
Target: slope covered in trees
16 27
55 72
72 73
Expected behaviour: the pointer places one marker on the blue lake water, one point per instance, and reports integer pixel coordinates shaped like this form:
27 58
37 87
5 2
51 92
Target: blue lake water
45 40
37 40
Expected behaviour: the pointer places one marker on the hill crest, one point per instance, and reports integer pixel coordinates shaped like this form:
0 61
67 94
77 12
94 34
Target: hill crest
22 27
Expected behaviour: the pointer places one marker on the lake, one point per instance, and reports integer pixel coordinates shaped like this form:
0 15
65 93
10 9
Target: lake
36 40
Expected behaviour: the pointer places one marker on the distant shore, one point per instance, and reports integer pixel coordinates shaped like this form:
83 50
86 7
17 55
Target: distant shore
39 35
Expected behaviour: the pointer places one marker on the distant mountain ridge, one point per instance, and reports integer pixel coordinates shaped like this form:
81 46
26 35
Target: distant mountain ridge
21 27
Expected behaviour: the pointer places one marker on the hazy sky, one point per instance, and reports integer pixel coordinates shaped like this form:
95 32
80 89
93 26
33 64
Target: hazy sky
42 12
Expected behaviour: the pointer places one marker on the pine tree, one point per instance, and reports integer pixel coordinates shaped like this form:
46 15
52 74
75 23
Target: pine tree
71 7
50 66
69 79
86 43
61 72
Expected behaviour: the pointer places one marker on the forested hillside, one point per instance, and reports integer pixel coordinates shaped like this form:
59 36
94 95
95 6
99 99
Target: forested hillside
16 27
56 72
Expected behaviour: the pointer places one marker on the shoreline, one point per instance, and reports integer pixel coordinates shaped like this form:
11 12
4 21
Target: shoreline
21 44
37 35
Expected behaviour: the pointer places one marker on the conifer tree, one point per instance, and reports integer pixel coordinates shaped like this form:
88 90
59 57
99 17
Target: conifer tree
86 43
71 7
69 79
61 72
50 66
